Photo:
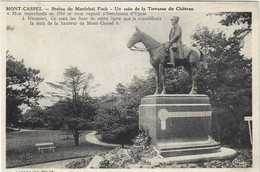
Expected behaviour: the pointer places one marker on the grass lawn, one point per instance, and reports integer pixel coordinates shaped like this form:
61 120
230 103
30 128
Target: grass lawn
21 150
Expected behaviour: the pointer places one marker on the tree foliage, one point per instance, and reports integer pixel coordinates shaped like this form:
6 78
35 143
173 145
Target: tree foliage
76 85
237 18
21 87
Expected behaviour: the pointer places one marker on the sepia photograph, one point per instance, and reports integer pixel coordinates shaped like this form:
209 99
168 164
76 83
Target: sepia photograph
129 85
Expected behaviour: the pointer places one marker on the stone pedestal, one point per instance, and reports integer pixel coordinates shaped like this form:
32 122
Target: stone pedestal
179 124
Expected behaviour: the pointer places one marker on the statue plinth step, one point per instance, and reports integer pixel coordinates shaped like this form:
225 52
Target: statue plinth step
188 148
222 153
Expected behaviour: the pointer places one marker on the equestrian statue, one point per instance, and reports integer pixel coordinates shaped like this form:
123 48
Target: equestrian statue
170 54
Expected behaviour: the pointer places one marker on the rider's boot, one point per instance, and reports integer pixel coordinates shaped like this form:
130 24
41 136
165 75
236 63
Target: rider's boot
172 61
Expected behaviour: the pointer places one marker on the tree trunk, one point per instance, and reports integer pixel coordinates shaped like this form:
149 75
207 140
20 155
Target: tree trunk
76 137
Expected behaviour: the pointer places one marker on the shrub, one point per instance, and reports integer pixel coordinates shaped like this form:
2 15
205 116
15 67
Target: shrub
33 123
81 163
116 125
142 139
141 145
55 124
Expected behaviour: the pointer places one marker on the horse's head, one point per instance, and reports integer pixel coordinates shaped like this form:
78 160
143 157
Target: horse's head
135 38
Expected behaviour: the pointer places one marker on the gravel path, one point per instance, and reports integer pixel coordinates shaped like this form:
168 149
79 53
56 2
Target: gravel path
91 138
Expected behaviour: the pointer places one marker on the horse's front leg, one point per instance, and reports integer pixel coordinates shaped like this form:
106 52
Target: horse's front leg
162 73
194 72
156 76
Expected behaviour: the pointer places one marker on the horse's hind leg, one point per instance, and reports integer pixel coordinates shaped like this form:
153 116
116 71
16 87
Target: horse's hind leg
187 67
156 75
162 73
194 72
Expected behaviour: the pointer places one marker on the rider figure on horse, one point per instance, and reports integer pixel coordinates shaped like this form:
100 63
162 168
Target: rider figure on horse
175 46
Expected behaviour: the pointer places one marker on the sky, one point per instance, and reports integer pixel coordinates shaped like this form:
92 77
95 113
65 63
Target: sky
94 49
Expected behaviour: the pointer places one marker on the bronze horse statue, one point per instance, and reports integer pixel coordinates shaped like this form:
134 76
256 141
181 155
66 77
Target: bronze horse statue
159 59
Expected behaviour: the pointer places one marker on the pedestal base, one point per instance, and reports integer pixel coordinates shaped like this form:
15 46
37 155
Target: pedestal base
189 148
222 153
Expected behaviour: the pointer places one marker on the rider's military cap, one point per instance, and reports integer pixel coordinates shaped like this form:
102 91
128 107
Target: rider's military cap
175 18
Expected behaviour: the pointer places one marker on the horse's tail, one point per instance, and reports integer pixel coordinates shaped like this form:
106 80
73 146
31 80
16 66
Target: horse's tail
202 58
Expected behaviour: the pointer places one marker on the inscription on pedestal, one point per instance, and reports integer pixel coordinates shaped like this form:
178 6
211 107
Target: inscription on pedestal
163 115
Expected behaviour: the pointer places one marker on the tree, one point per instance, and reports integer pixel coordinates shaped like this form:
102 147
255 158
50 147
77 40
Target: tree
76 108
227 82
21 88
237 18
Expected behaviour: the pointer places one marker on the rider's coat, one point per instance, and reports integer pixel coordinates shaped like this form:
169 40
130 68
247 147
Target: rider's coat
176 41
